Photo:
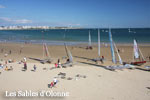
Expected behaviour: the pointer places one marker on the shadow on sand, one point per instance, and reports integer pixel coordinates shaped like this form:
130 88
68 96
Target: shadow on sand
101 66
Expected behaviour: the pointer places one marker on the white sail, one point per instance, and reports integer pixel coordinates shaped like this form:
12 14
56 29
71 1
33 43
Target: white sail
136 51
89 39
98 43
120 60
112 48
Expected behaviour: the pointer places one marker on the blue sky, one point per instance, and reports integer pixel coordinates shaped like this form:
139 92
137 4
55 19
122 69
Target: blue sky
76 13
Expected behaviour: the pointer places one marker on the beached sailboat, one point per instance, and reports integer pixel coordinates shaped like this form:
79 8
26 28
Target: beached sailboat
99 47
137 55
120 66
90 44
46 56
69 61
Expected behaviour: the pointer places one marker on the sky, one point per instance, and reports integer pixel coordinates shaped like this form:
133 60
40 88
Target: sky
76 13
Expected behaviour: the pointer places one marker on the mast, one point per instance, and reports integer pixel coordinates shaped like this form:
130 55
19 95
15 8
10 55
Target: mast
68 54
112 48
141 55
98 43
120 60
46 50
89 39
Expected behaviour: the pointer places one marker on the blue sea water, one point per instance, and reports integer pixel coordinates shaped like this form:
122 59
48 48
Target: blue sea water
75 36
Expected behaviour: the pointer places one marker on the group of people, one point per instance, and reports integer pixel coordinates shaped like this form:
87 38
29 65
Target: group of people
6 67
58 64
53 83
25 65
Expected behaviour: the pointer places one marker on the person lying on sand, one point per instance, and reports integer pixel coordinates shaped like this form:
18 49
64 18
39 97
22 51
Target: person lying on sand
1 66
6 68
11 68
52 84
55 81
6 55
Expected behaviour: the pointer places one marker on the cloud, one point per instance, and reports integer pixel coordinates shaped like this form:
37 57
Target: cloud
1 6
15 21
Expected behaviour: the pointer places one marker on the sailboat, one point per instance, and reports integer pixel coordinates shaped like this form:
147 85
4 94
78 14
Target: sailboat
90 44
69 61
120 66
137 55
46 56
99 58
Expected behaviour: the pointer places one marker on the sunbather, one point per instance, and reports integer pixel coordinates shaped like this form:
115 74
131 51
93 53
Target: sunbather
52 84
6 68
55 81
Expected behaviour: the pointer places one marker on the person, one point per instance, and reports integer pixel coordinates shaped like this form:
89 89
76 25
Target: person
52 84
11 68
103 57
20 50
6 68
58 61
55 81
34 67
67 61
10 61
56 65
25 59
59 64
25 66
1 66
6 55
101 60
6 62
10 52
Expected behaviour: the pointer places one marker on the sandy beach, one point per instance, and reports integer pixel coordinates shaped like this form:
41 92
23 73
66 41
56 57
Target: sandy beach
98 83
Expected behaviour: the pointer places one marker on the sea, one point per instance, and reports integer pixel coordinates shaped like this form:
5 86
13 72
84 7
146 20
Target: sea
75 36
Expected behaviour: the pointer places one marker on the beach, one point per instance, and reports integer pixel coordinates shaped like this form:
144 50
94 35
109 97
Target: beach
98 83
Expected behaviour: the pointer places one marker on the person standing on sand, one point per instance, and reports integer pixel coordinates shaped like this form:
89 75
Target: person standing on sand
20 51
56 65
25 65
10 52
59 64
25 59
34 67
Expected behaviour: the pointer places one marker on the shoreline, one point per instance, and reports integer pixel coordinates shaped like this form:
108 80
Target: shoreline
69 43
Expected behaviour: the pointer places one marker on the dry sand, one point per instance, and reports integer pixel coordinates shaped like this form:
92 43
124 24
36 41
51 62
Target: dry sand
99 84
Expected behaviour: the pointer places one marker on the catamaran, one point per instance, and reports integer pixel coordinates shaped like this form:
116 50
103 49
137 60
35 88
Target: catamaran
90 44
99 47
69 61
137 55
120 66
46 56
